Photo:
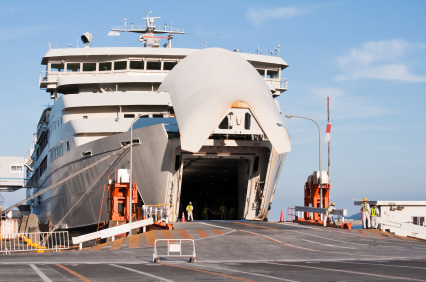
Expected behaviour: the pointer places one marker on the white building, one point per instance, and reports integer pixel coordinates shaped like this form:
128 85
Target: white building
404 218
11 173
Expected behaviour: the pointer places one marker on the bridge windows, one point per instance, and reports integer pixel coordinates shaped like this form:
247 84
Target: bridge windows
121 65
169 65
57 67
89 66
106 66
71 67
153 65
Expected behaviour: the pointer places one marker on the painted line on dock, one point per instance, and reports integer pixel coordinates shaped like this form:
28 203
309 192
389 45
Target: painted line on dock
251 273
209 272
327 245
134 242
381 264
74 273
257 226
141 272
40 273
348 271
202 233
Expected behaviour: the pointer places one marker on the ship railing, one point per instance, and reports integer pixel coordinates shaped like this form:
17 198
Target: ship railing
34 242
46 77
278 83
161 212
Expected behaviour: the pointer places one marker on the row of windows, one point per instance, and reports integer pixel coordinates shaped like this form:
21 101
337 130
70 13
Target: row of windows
16 168
109 66
269 73
56 152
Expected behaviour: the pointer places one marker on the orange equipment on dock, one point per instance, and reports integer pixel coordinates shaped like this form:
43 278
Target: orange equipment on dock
313 198
118 199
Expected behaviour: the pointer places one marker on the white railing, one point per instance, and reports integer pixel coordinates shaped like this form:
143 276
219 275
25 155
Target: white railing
278 83
111 232
52 76
36 241
406 229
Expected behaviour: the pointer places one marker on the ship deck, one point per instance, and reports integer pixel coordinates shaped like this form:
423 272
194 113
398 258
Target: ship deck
234 251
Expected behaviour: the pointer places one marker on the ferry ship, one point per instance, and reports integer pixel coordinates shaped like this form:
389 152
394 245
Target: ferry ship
203 125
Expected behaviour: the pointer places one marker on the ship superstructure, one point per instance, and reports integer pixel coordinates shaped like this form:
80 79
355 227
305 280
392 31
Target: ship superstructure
99 92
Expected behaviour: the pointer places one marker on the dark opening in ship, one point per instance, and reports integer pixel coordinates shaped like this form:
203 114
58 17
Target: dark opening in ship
213 182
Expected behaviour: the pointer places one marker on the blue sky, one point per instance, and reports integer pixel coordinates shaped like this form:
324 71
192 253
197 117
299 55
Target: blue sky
368 56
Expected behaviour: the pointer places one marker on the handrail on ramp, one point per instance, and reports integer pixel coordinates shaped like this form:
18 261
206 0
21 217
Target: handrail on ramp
112 232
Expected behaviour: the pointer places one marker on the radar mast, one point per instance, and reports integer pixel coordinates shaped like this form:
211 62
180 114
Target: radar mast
149 31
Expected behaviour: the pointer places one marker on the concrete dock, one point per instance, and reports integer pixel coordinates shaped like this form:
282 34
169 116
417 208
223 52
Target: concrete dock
234 251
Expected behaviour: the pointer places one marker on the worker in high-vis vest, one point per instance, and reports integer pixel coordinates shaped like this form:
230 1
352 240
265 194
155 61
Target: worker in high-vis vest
206 212
222 210
189 209
374 214
328 215
366 211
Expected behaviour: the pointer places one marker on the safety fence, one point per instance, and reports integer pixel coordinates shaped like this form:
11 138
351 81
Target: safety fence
163 212
35 241
173 248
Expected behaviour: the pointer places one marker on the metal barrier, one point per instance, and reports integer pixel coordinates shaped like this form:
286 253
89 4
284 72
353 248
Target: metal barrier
173 246
158 213
291 214
36 241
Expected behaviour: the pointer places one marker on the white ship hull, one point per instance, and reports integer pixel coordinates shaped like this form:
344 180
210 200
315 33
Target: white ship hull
160 178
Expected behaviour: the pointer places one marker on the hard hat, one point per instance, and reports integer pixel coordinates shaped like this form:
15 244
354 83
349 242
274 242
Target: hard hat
365 199
190 203
333 204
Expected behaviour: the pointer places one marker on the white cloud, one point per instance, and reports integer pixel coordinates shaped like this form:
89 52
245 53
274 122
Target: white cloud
379 60
259 16
344 106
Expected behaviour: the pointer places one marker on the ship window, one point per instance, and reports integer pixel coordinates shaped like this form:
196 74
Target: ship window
107 66
89 66
16 168
122 65
153 65
169 65
224 123
247 121
57 67
84 117
419 220
86 154
68 145
129 115
157 115
73 67
136 65
261 72
272 74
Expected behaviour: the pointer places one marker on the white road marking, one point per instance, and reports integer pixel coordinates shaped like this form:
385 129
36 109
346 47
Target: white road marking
349 271
141 272
40 273
327 245
251 273
391 265
217 226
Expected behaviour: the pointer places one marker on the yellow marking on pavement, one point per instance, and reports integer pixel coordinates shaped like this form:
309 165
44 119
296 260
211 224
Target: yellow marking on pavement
117 244
257 226
134 242
202 233
184 234
74 273
99 247
210 272
150 238
217 232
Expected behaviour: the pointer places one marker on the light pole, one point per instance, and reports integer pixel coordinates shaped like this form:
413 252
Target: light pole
131 168
319 139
